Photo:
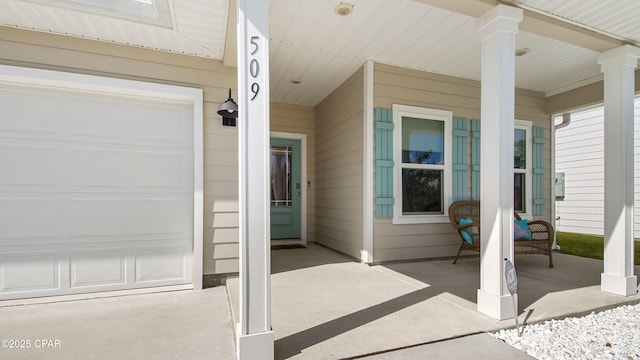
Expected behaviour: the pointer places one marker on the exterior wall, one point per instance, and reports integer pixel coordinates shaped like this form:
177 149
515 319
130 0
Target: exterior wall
334 129
580 155
588 95
54 52
339 156
301 120
394 85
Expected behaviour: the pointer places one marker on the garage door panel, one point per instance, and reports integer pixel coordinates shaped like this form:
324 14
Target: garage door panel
171 125
159 263
28 167
163 217
97 167
19 102
29 218
30 271
97 217
164 170
98 267
141 121
95 118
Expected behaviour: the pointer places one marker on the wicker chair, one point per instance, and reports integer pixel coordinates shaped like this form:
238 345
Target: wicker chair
541 231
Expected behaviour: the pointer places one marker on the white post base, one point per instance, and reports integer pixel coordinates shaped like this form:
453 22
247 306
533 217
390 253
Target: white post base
498 307
256 346
620 285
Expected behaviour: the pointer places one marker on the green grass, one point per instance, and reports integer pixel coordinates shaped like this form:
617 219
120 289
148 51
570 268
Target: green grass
591 246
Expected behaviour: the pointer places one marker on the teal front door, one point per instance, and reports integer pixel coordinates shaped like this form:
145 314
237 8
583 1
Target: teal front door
286 189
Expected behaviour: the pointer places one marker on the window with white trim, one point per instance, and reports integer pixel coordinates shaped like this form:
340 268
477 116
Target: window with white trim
522 168
422 164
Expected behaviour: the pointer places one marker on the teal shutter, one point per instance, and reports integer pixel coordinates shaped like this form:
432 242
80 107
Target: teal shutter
384 163
538 171
475 159
459 158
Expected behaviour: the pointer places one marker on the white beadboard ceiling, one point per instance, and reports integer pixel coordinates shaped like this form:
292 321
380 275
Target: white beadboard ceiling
617 18
310 42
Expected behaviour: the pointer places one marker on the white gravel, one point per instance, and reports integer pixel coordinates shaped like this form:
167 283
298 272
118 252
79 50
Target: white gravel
610 334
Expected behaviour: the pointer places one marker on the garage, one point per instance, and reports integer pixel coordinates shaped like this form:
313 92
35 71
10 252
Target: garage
101 184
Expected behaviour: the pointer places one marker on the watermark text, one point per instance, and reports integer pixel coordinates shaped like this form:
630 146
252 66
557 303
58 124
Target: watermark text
18 344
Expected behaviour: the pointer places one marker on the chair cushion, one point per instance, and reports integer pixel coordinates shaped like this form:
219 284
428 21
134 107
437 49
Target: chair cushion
521 230
467 233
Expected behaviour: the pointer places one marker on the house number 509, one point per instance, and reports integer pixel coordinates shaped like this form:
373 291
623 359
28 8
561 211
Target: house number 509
254 68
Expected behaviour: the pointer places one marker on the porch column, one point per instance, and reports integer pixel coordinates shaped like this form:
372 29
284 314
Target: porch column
255 338
497 30
618 67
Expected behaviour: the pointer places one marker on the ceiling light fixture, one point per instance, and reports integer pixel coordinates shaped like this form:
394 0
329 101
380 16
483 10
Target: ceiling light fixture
344 9
522 51
296 81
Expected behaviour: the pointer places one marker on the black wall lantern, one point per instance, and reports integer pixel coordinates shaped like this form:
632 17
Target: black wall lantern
229 111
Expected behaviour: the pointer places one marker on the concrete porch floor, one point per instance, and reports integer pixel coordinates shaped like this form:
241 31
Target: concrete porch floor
324 306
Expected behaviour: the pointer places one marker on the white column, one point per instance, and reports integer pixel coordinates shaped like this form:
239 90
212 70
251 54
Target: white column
497 30
618 67
255 338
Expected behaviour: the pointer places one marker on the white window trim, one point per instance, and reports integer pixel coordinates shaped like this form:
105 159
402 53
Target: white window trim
432 114
528 126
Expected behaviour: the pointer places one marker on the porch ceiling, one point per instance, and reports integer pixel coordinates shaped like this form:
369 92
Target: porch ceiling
310 42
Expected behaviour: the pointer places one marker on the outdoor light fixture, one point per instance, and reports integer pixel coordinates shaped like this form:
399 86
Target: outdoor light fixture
229 111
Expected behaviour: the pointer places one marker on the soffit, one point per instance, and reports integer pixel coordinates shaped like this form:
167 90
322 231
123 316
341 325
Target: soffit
196 27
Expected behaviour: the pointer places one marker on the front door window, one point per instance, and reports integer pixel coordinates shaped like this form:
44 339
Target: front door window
281 188
286 189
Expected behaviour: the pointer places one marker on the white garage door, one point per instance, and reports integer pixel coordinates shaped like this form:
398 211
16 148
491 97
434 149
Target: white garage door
96 191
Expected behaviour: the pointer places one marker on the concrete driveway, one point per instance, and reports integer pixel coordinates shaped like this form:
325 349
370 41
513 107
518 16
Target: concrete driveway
171 325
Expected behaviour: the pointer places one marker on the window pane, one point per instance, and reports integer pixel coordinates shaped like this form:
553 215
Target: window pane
422 191
281 176
519 197
520 149
422 141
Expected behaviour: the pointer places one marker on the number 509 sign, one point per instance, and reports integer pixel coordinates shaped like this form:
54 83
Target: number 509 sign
254 68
